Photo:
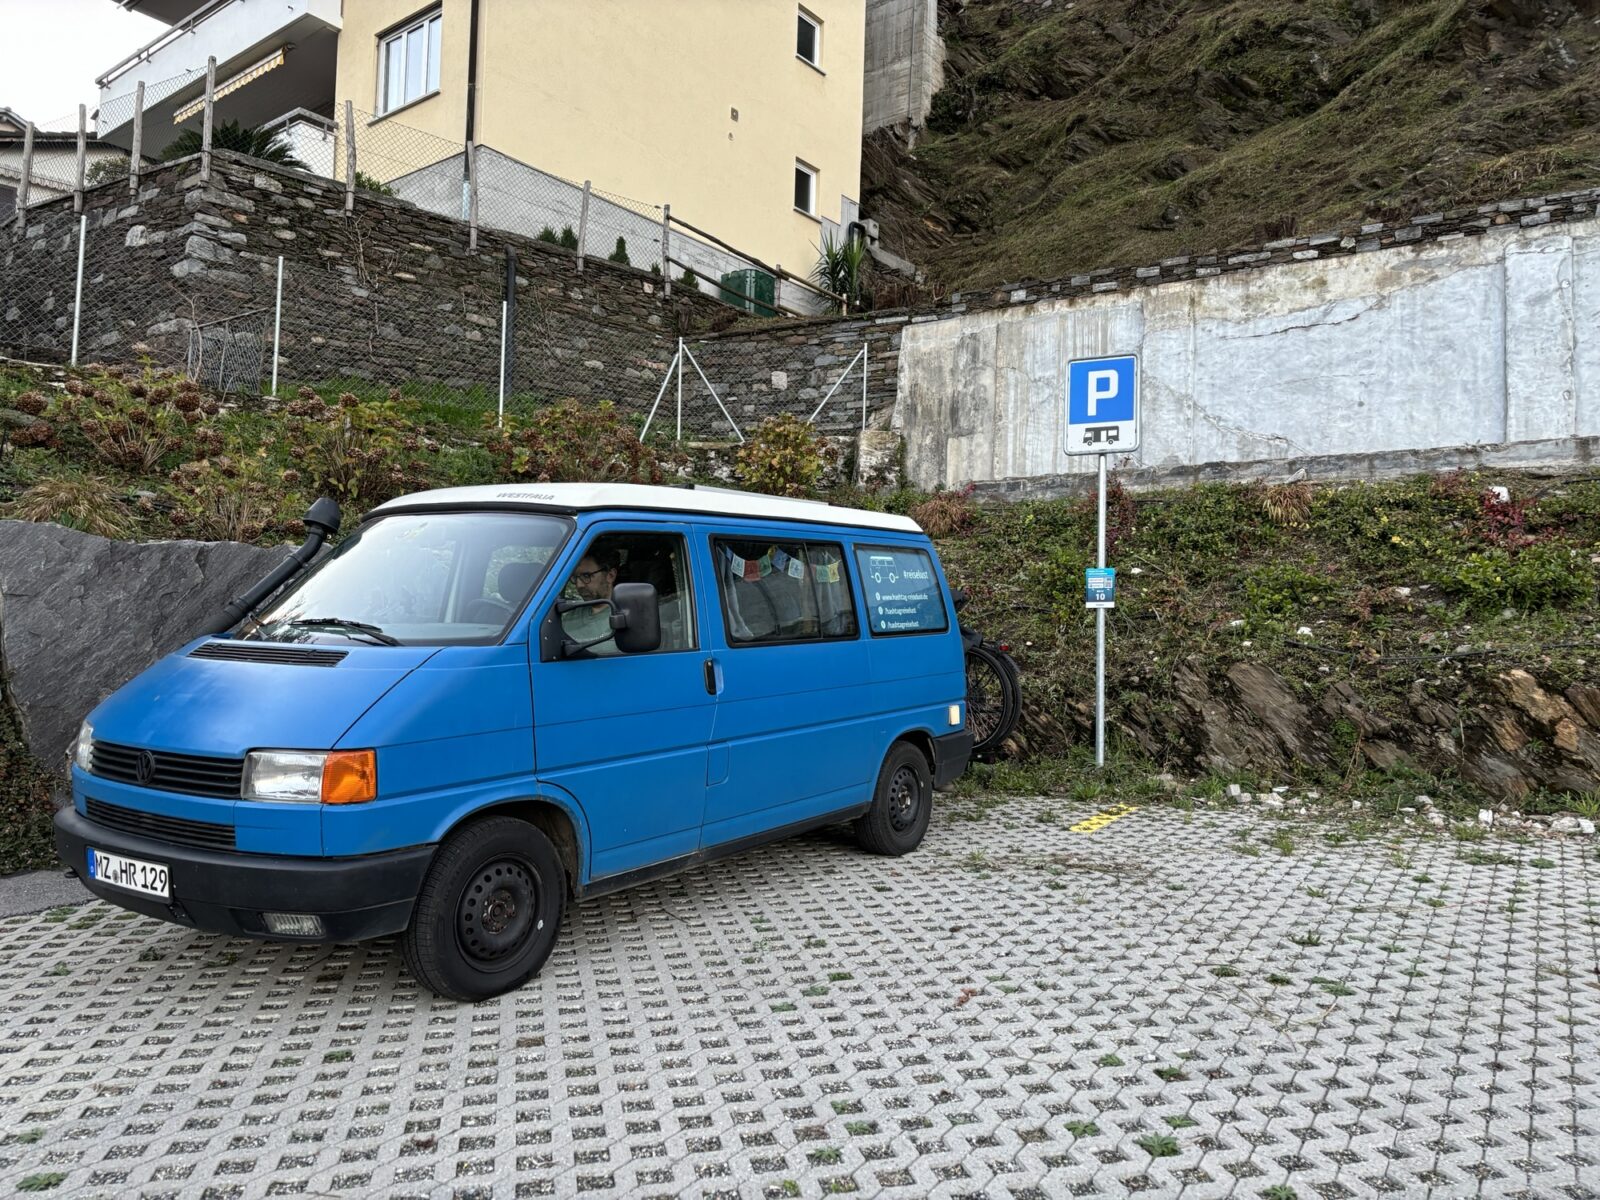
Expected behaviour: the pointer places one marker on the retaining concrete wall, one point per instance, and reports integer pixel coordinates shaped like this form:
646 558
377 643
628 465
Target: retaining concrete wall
1456 341
904 63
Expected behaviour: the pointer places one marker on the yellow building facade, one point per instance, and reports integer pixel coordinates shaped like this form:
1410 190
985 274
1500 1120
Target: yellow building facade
744 115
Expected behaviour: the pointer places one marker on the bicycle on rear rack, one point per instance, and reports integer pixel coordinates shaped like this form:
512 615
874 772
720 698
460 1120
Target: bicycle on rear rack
994 696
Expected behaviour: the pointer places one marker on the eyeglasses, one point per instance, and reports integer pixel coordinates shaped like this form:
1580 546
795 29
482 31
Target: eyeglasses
585 576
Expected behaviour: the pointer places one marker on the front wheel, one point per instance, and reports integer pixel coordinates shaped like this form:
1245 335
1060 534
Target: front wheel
488 912
902 804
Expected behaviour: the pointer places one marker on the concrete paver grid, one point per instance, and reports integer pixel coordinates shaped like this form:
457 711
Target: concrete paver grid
1175 1004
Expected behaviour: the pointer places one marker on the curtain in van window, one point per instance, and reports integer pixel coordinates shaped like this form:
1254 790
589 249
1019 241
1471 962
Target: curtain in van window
785 591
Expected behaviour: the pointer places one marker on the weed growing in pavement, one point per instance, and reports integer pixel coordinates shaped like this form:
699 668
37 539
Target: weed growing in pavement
1181 1121
1158 1145
1108 1060
1082 1129
1306 939
43 1181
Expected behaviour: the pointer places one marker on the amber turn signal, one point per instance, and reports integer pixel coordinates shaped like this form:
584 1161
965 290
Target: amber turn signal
349 777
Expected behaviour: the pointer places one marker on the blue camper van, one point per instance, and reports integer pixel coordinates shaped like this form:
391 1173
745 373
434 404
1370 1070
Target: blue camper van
489 701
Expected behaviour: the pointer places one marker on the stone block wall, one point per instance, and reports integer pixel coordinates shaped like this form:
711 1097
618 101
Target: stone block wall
387 294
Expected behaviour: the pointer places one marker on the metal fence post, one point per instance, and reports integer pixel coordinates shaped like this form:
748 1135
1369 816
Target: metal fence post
135 152
501 418
472 197
83 145
666 274
583 225
277 326
26 184
866 357
680 389
349 156
206 120
77 299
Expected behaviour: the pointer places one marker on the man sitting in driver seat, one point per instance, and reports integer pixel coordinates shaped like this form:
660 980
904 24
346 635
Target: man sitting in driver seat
593 579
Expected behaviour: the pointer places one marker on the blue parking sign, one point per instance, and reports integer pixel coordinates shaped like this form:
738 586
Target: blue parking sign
1102 405
1100 587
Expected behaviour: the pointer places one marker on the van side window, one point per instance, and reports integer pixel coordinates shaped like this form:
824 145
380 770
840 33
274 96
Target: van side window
659 559
783 591
902 590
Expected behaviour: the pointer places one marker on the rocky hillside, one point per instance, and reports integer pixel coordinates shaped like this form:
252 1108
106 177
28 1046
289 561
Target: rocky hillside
1074 134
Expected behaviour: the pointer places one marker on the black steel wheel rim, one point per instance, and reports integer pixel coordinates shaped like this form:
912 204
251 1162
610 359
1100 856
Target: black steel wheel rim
905 798
498 912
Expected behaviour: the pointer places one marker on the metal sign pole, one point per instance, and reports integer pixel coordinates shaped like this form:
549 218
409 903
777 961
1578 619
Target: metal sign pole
1100 637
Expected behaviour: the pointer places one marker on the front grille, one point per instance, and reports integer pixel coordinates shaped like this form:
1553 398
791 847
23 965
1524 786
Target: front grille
191 774
267 652
161 828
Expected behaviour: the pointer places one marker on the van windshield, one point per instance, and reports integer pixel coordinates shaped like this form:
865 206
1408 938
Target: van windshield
420 578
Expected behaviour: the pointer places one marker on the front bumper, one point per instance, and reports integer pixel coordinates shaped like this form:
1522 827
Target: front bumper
951 754
227 892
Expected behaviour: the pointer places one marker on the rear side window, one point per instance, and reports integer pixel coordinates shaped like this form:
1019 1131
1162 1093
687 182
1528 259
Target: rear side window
776 592
902 590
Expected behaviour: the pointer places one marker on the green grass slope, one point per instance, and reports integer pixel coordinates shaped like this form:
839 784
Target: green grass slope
1070 136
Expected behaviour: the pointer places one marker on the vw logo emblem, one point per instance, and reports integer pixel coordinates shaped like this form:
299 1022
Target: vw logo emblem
145 768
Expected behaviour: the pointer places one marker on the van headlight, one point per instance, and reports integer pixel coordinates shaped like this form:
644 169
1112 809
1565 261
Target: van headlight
83 748
311 776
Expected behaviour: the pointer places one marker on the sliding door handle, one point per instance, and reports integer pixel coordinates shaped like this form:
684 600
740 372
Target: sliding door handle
713 677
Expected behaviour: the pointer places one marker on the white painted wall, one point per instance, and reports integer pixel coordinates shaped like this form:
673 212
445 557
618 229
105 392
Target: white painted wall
1480 341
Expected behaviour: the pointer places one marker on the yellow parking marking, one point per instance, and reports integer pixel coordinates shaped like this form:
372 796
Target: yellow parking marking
1101 819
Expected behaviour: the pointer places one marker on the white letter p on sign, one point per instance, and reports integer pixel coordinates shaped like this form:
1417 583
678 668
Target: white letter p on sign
1102 386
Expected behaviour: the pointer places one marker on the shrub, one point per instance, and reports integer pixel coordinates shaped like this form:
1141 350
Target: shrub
690 280
620 254
360 452
1548 575
784 457
376 186
106 170
549 235
944 514
86 503
1282 589
1288 504
235 499
568 238
570 441
139 425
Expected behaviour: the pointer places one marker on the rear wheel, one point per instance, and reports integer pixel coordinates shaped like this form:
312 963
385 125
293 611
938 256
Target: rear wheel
902 804
489 911
994 699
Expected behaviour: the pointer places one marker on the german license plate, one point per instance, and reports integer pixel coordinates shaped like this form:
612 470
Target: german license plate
133 874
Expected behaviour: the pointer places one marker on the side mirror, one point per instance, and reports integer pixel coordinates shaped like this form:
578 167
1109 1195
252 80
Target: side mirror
636 618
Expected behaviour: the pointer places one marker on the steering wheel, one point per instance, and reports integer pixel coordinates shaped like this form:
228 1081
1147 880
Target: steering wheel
493 612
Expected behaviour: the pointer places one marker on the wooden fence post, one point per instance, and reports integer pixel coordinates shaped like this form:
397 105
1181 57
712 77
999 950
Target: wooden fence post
136 152
26 184
349 156
206 120
583 225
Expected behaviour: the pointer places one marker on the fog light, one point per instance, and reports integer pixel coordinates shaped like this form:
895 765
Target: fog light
294 924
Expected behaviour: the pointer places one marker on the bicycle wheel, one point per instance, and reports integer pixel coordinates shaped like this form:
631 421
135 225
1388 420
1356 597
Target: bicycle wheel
994 701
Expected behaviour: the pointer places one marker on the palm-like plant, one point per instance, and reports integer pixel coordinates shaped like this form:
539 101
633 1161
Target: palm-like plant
269 145
841 268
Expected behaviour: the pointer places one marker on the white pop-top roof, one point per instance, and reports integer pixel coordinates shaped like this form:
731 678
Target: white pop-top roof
722 502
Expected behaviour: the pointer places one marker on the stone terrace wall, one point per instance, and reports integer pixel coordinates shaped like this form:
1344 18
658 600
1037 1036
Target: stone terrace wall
387 293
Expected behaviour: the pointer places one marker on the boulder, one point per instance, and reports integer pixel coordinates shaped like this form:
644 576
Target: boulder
81 615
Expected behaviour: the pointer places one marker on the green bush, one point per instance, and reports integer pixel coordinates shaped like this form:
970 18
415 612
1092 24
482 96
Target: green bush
568 238
1548 575
549 235
620 254
784 457
574 441
1283 589
376 186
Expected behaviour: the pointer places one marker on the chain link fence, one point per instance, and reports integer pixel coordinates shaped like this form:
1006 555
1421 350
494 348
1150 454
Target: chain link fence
499 342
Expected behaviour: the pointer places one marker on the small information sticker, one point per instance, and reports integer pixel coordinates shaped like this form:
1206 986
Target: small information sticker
1100 587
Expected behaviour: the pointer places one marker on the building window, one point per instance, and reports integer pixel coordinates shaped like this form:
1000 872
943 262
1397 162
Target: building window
409 63
805 188
808 39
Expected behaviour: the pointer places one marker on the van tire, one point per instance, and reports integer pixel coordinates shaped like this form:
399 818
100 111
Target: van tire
488 912
902 804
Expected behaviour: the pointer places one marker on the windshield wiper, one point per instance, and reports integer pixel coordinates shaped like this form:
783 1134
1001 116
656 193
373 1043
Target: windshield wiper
372 631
